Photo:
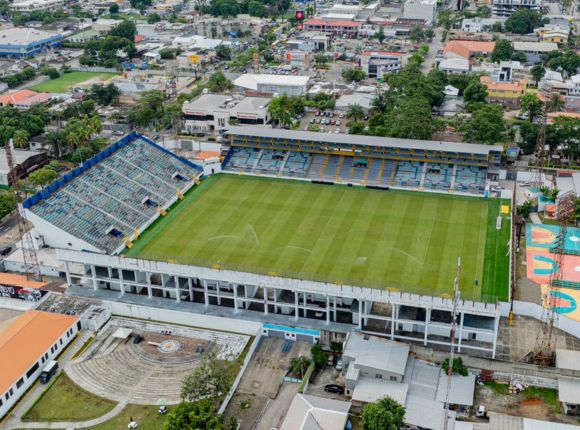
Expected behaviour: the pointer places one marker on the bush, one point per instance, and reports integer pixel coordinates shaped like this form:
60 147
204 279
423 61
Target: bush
458 366
318 356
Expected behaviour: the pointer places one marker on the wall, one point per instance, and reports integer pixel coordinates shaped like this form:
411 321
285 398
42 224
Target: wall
533 310
178 317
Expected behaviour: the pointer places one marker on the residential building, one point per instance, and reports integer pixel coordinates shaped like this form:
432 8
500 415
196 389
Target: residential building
574 86
27 343
364 100
506 7
377 63
26 161
24 99
308 412
20 42
555 36
212 113
454 65
534 50
339 28
273 84
507 94
296 59
421 9
309 42
477 25
28 6
467 49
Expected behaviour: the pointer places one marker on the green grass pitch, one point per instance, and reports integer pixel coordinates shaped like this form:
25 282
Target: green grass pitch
402 240
69 80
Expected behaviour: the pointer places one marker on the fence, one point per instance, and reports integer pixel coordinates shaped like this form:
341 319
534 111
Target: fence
94 69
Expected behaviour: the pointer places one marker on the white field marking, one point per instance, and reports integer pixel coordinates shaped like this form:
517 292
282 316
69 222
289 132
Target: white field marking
295 247
225 236
253 230
408 255
360 261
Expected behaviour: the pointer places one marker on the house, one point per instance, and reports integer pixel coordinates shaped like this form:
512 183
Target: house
554 33
308 412
454 65
477 25
35 338
467 49
534 50
364 100
24 99
376 63
420 9
507 94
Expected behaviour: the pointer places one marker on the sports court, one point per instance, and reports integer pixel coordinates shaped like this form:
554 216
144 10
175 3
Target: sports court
399 240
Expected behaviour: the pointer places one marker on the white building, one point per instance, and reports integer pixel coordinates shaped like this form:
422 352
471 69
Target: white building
210 113
308 412
506 7
273 84
574 86
420 9
29 342
454 65
477 25
27 6
534 50
377 63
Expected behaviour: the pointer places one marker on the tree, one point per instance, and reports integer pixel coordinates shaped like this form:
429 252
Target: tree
126 30
353 75
149 111
298 365
7 204
417 34
429 34
444 19
496 27
153 18
218 83
284 107
168 53
384 414
336 346
256 8
56 138
355 112
380 34
538 73
104 95
356 128
475 92
532 105
502 51
524 209
223 52
43 177
555 103
51 72
199 415
486 125
114 8
318 355
458 366
321 59
523 21
210 379
379 103
20 139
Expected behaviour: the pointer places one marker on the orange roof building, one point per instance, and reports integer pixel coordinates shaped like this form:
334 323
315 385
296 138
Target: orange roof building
505 93
468 49
15 280
23 99
29 342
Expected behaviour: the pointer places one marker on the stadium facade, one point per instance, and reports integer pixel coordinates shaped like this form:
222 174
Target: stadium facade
98 210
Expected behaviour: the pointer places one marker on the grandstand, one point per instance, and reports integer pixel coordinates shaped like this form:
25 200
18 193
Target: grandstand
364 160
106 202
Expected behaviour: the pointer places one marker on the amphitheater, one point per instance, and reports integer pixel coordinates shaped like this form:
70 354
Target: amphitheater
151 371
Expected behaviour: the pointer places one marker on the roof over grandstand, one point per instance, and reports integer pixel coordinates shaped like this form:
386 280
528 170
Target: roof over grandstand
28 337
347 139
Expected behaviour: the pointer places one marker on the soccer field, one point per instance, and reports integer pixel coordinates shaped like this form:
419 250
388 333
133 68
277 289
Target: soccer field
68 80
407 241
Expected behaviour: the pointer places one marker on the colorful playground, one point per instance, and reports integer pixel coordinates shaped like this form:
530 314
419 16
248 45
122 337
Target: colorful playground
541 241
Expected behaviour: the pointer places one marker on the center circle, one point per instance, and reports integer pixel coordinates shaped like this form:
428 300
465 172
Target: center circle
169 346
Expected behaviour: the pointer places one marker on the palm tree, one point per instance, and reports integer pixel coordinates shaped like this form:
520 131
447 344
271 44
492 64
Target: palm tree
355 112
20 139
95 125
379 103
555 103
55 139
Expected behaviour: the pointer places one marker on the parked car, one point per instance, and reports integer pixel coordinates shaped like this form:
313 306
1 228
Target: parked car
339 365
333 388
481 412
330 360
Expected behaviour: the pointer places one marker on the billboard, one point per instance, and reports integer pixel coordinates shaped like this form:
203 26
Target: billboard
21 293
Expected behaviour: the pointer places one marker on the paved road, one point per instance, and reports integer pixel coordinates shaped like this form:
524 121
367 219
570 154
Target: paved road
276 409
434 46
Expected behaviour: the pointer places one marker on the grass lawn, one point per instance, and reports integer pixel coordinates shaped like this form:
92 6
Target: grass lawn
146 416
401 240
499 389
548 395
65 401
68 80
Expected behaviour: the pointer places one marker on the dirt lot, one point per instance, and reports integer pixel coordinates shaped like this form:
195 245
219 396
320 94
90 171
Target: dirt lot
260 396
326 375
536 403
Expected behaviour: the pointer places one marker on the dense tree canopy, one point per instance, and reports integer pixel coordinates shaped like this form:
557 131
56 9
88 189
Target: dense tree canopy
7 204
110 50
43 177
200 415
486 125
523 21
503 51
384 414
210 379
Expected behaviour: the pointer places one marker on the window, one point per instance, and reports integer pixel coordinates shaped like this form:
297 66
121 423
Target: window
61 341
393 378
19 383
51 349
33 369
378 376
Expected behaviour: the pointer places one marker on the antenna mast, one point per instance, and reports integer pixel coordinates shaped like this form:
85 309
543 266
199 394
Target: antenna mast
456 296
31 266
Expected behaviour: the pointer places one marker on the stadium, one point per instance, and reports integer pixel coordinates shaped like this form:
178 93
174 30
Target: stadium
298 228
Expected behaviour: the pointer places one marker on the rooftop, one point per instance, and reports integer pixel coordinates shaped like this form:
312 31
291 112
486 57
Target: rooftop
211 102
569 390
535 46
20 156
567 359
391 142
467 48
377 353
334 23
23 36
503 86
252 80
28 337
462 389
368 390
15 280
308 412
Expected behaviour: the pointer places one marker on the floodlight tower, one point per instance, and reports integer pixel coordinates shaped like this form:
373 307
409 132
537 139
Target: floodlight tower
31 266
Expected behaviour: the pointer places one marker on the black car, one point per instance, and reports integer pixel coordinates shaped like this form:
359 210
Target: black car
333 388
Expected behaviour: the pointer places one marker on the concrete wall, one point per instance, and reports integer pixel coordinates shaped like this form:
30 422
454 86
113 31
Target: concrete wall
533 310
178 317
